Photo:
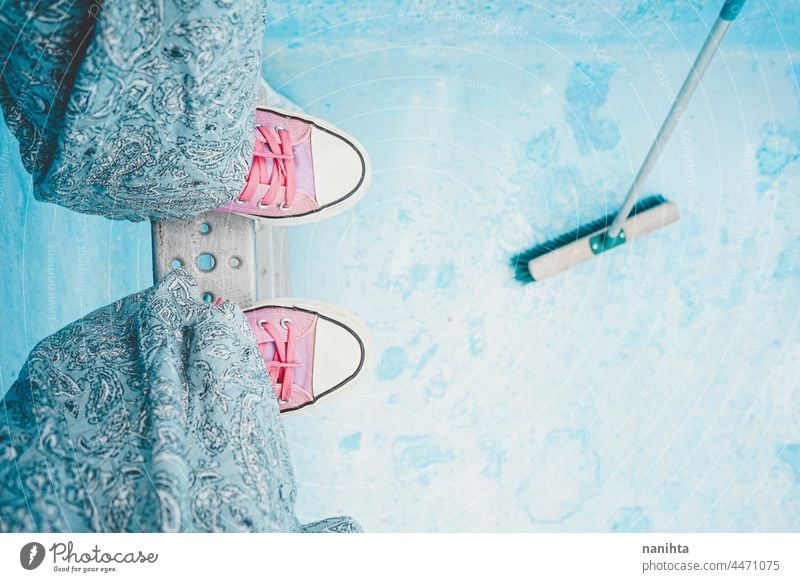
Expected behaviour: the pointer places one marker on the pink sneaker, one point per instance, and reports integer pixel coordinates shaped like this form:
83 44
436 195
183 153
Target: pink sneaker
311 351
303 170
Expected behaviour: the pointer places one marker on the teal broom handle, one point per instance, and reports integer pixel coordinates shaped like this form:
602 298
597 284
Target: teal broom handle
732 9
729 12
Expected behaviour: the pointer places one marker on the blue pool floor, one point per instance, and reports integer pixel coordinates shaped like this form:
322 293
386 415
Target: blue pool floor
655 389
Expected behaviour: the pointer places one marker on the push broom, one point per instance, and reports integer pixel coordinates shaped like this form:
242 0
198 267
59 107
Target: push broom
636 218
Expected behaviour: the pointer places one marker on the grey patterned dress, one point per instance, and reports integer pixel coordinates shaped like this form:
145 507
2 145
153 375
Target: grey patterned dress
136 109
154 413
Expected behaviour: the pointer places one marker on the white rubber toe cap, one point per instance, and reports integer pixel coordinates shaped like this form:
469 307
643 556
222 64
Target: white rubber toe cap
339 356
340 167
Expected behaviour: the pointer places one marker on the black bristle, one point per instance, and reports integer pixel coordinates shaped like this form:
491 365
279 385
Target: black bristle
519 262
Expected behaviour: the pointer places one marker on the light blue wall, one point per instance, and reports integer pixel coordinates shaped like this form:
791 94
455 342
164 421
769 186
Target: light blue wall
58 265
629 25
653 390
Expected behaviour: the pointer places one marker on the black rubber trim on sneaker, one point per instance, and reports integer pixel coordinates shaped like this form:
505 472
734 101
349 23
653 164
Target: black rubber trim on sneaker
352 192
344 382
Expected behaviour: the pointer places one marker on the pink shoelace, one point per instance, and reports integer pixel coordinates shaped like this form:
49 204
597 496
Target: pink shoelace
275 145
281 369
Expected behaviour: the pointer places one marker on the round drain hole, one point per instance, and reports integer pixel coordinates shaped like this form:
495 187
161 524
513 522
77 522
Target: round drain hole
206 262
176 264
235 262
204 228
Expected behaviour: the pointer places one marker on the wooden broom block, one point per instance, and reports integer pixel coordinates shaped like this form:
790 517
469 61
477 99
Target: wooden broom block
579 251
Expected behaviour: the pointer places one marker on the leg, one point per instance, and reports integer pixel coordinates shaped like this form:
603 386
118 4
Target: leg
152 414
133 110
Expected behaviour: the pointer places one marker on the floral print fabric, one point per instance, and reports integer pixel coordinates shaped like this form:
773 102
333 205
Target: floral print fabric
132 110
153 414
